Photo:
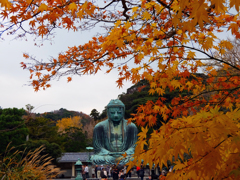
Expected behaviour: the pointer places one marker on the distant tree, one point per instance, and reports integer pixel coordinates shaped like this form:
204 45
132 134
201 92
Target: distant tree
59 114
64 113
85 119
94 114
41 128
29 108
103 115
88 128
12 128
74 140
42 131
66 123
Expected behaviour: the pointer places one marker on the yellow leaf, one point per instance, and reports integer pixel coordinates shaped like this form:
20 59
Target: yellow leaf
43 7
72 7
5 3
160 91
235 3
118 23
159 43
151 91
146 15
153 84
191 55
175 83
134 9
219 5
124 155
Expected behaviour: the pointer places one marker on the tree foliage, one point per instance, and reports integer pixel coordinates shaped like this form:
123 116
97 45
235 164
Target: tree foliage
42 129
64 113
65 123
75 140
12 128
164 42
95 114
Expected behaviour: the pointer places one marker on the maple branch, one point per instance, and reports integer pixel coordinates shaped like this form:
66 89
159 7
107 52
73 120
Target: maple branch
125 9
109 4
206 92
211 57
211 150
163 4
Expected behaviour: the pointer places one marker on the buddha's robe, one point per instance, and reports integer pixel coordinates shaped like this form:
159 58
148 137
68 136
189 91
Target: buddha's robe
109 145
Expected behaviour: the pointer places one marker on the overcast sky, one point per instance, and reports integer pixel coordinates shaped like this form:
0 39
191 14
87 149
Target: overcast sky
82 94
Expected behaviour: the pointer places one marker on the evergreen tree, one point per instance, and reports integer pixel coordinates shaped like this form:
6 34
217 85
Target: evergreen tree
12 128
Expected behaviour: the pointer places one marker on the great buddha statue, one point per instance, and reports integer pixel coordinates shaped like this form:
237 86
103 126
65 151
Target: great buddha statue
113 136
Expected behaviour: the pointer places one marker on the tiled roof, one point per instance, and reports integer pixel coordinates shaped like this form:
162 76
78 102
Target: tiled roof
73 157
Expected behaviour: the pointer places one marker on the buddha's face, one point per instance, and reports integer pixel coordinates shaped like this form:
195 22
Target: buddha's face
115 114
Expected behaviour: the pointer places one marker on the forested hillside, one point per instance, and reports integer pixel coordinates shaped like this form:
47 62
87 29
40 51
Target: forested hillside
64 113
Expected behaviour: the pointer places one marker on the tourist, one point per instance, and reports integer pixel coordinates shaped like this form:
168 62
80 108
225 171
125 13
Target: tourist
164 173
105 172
115 173
83 172
86 171
102 173
121 173
138 168
125 171
129 173
109 170
96 167
141 172
171 168
98 171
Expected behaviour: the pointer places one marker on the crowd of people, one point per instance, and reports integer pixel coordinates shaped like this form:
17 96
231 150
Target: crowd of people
116 173
111 171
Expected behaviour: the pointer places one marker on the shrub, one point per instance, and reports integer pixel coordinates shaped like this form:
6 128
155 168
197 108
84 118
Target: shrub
32 166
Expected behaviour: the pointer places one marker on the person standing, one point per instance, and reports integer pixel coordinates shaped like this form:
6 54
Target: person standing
125 171
129 173
141 172
105 172
99 171
86 171
102 173
121 173
138 168
115 173
83 172
164 173
109 171
96 167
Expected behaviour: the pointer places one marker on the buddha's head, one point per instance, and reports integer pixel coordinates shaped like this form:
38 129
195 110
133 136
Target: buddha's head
115 110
